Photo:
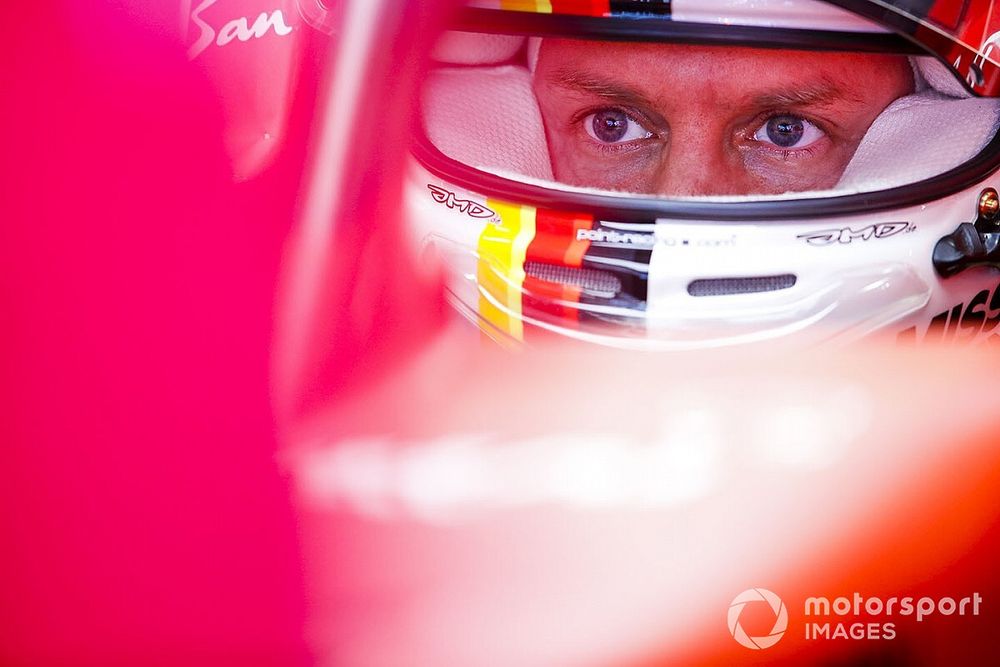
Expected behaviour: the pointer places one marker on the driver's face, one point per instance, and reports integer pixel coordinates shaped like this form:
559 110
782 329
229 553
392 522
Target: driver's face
694 120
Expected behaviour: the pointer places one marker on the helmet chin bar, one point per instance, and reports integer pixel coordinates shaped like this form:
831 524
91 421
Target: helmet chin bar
972 243
673 285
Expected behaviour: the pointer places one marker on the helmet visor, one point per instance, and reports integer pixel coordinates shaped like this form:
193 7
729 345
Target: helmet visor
809 103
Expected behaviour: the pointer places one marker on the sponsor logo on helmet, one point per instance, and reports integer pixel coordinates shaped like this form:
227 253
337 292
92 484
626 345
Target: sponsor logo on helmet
962 323
615 237
984 56
240 29
880 230
467 206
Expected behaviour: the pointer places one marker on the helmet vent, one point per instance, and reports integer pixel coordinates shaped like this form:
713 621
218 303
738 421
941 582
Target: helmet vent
593 281
726 286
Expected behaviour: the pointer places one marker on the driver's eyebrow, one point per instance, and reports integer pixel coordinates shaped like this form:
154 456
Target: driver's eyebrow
824 92
587 83
818 94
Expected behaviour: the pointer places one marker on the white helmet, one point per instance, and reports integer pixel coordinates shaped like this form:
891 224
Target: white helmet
896 230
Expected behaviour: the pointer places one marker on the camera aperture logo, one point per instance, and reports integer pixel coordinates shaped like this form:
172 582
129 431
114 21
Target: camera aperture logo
780 618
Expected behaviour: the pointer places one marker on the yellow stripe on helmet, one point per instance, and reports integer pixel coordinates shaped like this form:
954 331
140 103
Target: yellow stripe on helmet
537 6
500 272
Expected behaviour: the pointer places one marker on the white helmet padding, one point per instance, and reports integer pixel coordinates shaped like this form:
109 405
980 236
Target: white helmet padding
486 116
467 48
924 134
484 113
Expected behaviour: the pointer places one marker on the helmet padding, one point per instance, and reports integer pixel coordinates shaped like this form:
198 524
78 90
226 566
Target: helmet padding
487 117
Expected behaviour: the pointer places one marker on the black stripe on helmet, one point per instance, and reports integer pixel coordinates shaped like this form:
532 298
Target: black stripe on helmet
640 7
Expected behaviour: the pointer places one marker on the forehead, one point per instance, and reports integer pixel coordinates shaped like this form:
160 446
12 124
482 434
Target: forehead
665 69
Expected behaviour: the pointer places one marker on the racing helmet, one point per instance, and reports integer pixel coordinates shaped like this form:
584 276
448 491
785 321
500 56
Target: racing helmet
899 235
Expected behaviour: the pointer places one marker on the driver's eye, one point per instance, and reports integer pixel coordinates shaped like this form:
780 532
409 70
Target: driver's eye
613 126
787 131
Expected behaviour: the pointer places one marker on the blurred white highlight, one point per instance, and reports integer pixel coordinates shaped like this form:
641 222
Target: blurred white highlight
687 449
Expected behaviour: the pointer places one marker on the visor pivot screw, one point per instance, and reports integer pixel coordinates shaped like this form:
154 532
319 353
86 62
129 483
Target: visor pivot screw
989 205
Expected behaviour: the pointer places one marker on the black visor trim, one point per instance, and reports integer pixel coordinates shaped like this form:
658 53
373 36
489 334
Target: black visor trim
660 29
